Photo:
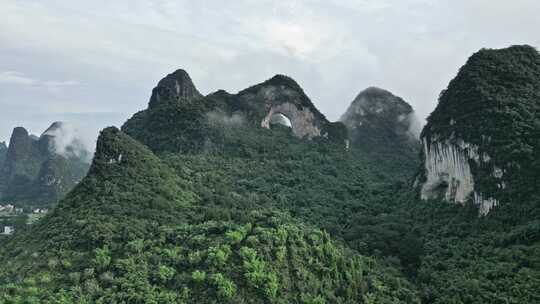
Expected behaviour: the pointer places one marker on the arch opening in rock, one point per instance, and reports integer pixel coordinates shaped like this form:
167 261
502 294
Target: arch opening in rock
279 119
303 122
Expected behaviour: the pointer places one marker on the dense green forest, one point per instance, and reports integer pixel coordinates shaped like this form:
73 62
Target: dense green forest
134 230
194 202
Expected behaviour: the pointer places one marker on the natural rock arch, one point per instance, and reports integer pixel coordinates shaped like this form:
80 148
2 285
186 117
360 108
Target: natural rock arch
302 120
280 119
256 104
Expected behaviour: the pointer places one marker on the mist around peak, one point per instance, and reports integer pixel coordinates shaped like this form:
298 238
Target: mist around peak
69 141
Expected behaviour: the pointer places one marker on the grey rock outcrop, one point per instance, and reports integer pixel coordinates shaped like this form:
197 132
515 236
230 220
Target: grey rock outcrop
282 95
448 173
302 121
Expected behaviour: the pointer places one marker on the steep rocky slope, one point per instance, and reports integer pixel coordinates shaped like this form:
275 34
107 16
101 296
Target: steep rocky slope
39 171
481 142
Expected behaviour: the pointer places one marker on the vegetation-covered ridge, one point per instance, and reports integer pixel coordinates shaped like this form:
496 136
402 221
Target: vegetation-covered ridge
135 231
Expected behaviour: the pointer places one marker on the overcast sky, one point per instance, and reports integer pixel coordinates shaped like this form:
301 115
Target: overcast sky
94 63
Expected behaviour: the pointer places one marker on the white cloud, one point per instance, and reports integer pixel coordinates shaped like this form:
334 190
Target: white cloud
17 78
10 77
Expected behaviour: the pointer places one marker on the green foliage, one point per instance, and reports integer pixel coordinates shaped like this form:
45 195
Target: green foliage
198 276
218 256
166 273
474 260
134 230
226 289
102 259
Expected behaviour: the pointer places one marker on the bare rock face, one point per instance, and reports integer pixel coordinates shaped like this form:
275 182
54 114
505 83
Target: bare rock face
449 175
282 95
302 121
22 159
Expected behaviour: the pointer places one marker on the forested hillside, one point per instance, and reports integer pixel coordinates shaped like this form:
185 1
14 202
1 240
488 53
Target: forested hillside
134 231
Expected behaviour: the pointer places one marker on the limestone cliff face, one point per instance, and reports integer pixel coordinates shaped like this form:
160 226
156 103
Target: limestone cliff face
481 142
449 175
303 122
282 95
